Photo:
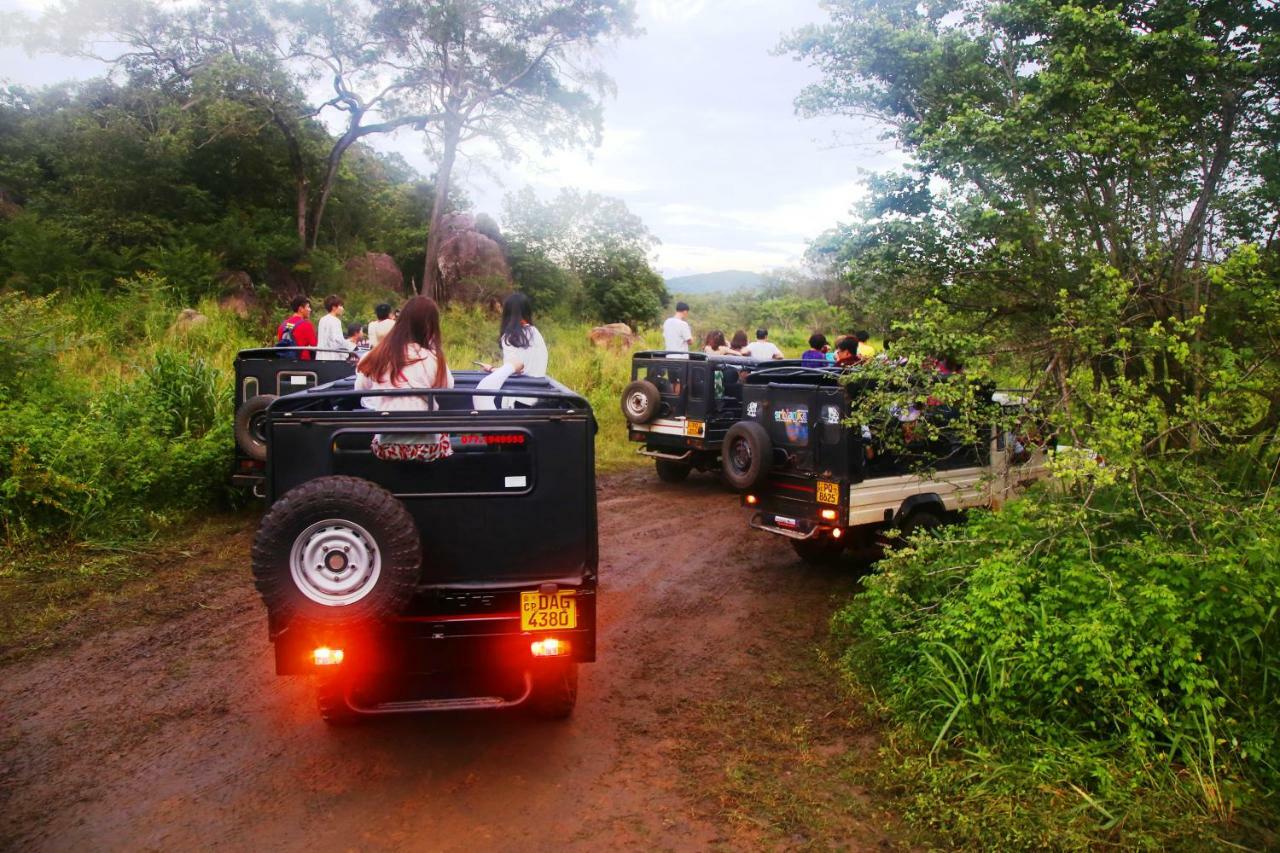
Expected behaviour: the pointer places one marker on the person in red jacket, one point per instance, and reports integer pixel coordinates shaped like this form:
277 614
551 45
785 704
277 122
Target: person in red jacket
298 324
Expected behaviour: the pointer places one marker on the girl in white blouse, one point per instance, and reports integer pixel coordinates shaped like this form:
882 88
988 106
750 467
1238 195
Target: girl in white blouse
409 356
523 348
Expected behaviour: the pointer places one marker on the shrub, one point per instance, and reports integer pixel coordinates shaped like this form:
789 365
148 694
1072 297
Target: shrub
1110 666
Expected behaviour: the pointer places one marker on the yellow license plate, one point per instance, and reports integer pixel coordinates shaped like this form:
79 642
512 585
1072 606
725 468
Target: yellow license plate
828 493
540 612
694 428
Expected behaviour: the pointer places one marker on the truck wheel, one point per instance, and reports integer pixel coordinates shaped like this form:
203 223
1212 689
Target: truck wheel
921 519
331 701
640 401
747 455
337 551
555 690
670 471
250 426
819 551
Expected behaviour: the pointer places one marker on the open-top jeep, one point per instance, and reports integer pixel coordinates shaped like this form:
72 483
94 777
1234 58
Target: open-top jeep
262 375
464 582
826 485
680 406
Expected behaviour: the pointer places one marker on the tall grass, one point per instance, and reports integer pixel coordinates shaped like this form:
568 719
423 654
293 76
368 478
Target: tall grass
598 374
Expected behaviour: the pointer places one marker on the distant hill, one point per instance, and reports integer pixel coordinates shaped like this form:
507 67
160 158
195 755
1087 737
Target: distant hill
723 281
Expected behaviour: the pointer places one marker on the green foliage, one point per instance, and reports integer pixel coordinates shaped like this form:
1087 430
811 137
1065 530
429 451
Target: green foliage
601 246
29 340
112 423
1103 655
191 270
1084 216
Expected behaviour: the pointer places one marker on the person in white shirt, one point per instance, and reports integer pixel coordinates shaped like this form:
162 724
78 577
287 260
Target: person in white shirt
762 349
409 357
676 333
380 327
329 332
522 345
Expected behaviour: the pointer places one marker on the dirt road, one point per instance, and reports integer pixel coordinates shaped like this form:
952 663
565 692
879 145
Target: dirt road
177 734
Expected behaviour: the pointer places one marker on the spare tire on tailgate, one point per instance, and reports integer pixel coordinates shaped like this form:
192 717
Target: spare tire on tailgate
640 401
337 551
250 418
746 455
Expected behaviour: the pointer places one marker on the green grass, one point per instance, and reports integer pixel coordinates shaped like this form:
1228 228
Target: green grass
596 373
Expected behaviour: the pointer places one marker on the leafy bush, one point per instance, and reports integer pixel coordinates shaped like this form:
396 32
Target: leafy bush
190 270
1087 670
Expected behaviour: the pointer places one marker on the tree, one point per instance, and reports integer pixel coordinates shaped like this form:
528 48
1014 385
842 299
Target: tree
262 57
598 240
505 72
1079 167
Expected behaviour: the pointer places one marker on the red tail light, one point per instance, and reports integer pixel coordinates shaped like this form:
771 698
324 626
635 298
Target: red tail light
325 656
549 647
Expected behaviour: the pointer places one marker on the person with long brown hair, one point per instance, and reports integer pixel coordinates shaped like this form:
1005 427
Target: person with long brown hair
409 356
715 344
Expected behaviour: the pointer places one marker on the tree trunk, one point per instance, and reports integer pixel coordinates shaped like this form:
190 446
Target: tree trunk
302 184
330 178
432 284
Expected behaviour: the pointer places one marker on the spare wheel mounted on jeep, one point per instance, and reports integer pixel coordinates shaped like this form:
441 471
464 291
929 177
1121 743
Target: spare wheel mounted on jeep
250 419
747 455
337 551
641 401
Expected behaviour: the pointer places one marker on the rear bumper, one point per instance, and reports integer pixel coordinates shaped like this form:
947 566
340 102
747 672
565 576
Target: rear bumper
803 529
434 643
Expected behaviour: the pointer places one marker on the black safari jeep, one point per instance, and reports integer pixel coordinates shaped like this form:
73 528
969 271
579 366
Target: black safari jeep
681 405
827 485
262 375
465 582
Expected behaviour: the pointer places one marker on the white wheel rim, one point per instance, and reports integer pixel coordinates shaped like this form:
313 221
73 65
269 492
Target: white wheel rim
335 562
636 403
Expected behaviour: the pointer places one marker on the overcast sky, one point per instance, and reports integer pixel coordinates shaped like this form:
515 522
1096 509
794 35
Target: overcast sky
702 140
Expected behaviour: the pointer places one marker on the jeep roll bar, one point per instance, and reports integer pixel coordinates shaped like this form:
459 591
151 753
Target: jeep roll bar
528 387
273 353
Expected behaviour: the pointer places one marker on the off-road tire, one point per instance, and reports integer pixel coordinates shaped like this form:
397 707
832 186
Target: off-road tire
641 401
331 702
819 551
670 471
921 519
389 525
746 456
555 690
249 419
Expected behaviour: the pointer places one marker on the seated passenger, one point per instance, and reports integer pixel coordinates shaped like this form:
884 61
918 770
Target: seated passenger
715 344
408 356
847 352
816 354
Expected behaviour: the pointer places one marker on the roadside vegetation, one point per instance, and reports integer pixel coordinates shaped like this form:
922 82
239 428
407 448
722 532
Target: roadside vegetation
1091 213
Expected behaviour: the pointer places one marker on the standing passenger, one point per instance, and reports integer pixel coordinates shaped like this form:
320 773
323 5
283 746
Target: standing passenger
330 333
296 330
676 334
